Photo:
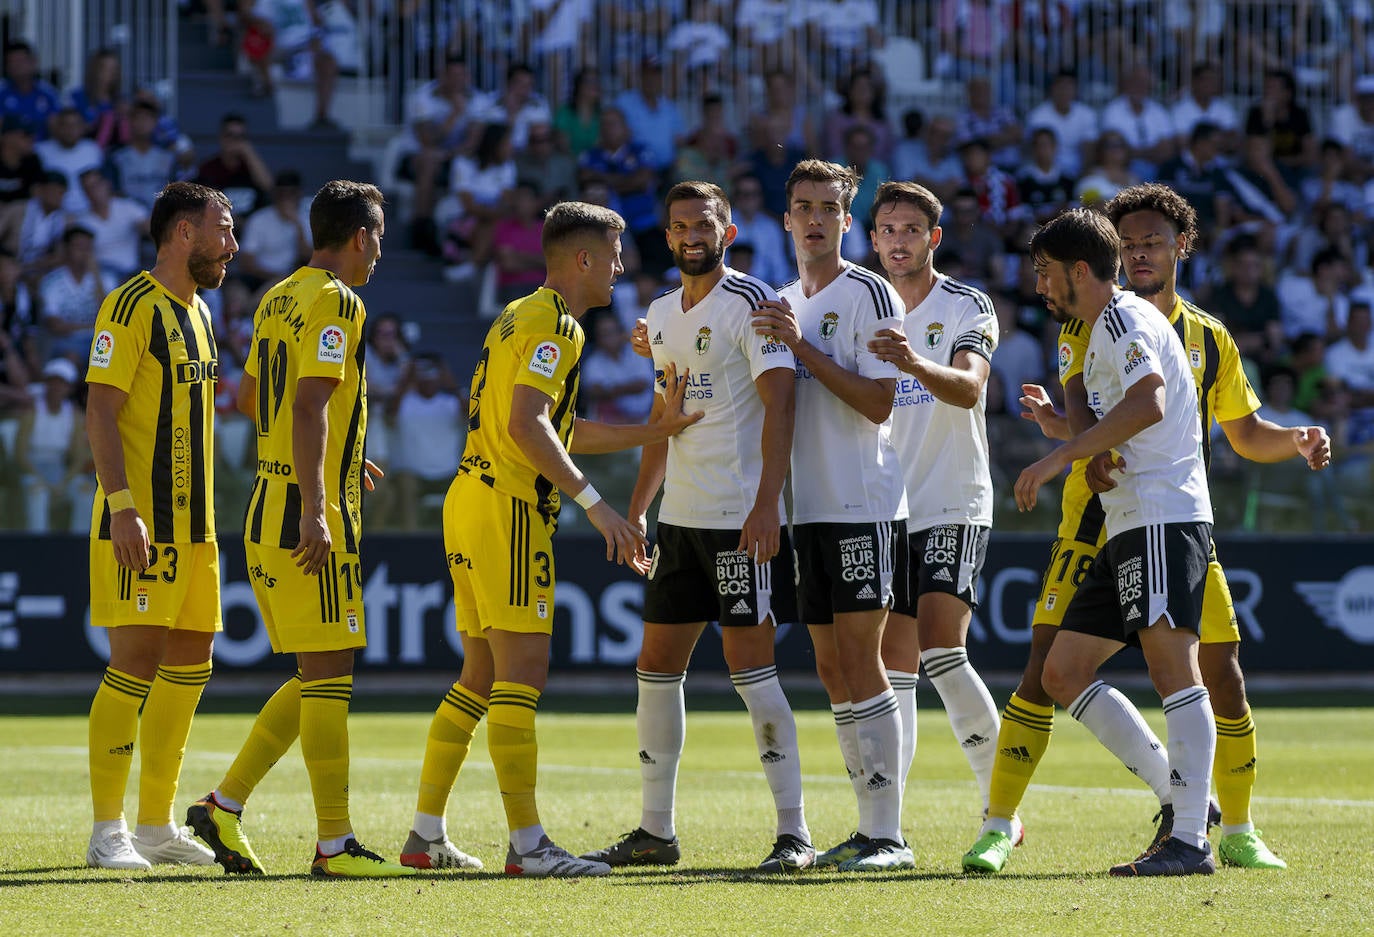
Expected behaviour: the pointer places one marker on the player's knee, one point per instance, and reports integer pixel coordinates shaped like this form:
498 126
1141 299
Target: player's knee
1064 679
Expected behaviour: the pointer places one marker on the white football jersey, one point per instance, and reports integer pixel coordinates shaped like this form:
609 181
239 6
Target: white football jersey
714 465
944 448
844 467
1165 481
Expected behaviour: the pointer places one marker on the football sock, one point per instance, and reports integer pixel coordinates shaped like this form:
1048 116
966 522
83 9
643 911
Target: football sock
1120 727
277 725
515 753
972 713
446 748
324 746
904 686
1192 745
151 834
111 733
1021 743
165 726
661 728
1233 772
848 735
879 732
775 734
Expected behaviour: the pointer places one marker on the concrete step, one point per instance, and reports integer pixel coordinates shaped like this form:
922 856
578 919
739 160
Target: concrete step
206 96
194 45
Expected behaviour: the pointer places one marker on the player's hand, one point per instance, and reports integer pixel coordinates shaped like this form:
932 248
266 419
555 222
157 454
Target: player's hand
129 536
774 318
1036 475
371 471
760 539
313 550
673 418
1098 473
639 339
1314 445
891 345
1040 409
626 544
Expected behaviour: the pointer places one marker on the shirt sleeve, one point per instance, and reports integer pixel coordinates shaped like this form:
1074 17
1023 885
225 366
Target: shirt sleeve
545 358
764 353
333 328
120 341
1073 349
1135 353
882 312
1232 395
977 330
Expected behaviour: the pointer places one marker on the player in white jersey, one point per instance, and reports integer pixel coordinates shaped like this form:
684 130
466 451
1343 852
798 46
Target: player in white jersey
722 553
848 499
1145 586
939 429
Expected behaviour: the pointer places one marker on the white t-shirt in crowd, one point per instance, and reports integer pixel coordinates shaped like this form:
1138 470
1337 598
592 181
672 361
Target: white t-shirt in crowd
429 435
273 240
117 236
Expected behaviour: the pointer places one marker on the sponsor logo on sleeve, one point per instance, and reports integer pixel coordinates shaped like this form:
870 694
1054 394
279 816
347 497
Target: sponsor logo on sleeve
545 359
1065 359
1135 356
102 349
333 344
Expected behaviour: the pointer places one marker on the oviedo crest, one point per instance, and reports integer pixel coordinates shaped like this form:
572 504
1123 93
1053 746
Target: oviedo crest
935 333
1194 355
703 342
829 323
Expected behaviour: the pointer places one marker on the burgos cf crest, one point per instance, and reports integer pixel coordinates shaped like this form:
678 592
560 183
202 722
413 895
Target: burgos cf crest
935 332
1347 606
703 342
829 323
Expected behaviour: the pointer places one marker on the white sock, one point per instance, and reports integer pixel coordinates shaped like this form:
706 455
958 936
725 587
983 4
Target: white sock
775 733
848 734
151 834
661 727
880 747
430 827
102 827
904 686
228 803
1119 726
1192 745
526 839
332 847
972 713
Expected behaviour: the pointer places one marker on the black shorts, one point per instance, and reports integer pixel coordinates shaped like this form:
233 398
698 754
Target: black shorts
1142 575
699 575
849 568
948 558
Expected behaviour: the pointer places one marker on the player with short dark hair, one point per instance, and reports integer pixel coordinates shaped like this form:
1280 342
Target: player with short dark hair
154 563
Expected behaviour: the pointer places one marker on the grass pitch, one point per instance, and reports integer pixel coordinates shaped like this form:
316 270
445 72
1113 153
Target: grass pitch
1315 803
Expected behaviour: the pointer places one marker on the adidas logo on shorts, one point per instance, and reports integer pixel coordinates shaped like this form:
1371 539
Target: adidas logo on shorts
1134 613
942 575
867 592
741 608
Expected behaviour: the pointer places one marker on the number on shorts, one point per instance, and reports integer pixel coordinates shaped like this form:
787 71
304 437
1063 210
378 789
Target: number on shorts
169 574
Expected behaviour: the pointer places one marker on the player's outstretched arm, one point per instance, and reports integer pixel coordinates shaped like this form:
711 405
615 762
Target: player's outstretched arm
761 536
309 431
591 438
959 384
128 533
1259 440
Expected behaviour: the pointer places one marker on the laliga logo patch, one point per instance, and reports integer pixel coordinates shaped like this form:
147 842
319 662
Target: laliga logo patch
829 323
703 342
333 342
935 333
1065 359
1347 605
545 359
102 349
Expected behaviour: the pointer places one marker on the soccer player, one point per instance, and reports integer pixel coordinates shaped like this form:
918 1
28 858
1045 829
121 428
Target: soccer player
304 386
499 519
1145 587
939 429
721 552
848 497
154 562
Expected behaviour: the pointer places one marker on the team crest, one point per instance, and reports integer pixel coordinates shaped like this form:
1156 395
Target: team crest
541 607
142 600
1088 365
1051 598
829 323
935 333
1194 355
352 619
703 343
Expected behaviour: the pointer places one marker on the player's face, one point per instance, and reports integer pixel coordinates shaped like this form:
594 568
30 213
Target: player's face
816 219
605 267
372 249
696 237
1054 283
212 247
904 240
1149 252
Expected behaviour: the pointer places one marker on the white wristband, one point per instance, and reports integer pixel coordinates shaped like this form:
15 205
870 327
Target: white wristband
587 497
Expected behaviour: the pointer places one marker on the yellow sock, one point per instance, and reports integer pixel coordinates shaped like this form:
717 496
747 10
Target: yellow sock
166 725
1233 769
110 736
277 725
450 737
514 750
1021 743
324 745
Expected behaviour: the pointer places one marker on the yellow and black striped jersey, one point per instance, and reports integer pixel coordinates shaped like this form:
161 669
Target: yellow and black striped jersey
162 353
1082 518
537 343
308 325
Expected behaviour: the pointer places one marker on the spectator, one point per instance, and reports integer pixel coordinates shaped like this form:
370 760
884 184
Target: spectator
236 170
431 423
1109 173
118 224
541 162
709 153
1242 300
69 152
873 172
388 361
450 103
40 233
578 121
23 93
478 187
1141 121
518 106
844 33
52 454
1353 125
698 44
17 358
862 106
98 98
1319 302
1315 391
516 245
617 383
1042 184
771 164
1335 181
1198 175
782 121
1350 364
1323 488
71 296
654 121
762 231
930 160
625 166
1282 121
767 30
1202 103
998 198
1019 359
20 170
1329 226
1262 190
275 240
968 238
983 118
289 32
1073 122
141 167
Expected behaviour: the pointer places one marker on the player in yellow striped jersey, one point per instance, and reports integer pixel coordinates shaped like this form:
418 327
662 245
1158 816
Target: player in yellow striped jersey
305 387
153 559
499 518
1157 228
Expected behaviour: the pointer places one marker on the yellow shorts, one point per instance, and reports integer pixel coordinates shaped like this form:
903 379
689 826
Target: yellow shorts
1069 562
323 612
500 555
179 590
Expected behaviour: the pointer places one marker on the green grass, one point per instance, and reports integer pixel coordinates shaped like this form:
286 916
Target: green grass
1315 802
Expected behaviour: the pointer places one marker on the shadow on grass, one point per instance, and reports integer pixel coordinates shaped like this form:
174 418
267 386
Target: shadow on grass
19 878
634 878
